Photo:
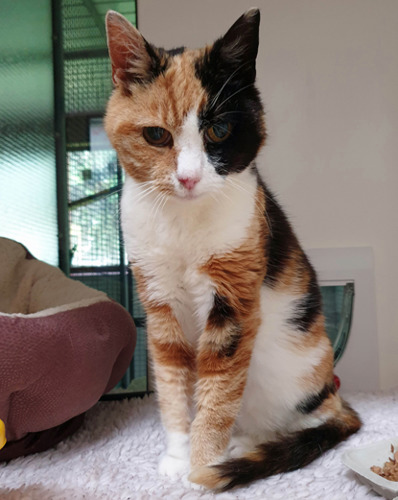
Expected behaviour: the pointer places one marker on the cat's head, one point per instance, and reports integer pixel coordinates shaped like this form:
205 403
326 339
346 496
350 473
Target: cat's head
185 120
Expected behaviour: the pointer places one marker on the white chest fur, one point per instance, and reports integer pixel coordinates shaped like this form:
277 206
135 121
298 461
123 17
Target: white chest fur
277 370
170 244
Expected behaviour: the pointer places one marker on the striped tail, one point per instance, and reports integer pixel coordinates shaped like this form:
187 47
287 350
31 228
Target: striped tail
285 454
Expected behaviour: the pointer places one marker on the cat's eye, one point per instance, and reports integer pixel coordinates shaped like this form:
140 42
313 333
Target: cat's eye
219 132
157 136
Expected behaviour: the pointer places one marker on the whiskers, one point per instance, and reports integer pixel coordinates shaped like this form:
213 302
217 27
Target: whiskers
149 187
228 80
214 198
158 204
159 200
233 95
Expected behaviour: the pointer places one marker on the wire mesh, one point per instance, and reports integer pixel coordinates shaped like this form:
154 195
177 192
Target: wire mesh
27 155
94 233
97 255
83 22
91 173
87 85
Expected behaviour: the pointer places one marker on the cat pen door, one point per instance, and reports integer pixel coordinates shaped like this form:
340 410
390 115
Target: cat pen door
346 276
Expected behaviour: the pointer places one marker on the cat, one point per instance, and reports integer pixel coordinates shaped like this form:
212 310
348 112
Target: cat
243 366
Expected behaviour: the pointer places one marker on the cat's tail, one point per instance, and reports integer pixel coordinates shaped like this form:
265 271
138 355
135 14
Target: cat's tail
285 454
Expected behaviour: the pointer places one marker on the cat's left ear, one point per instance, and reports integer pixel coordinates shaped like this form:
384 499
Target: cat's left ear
239 46
128 51
241 40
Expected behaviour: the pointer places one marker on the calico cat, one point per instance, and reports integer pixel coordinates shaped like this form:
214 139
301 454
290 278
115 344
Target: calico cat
234 318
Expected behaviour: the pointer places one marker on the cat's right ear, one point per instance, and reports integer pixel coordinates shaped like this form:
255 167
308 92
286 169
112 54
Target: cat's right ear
127 51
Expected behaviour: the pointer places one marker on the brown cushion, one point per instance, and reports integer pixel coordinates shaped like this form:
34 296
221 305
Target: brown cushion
36 442
62 344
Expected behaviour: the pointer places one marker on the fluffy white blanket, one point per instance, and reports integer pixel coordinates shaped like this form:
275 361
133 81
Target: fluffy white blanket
114 456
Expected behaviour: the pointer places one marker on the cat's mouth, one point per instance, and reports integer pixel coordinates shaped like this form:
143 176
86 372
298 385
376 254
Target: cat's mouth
187 188
188 195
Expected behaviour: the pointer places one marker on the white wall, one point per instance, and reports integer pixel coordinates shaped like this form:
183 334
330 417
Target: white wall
328 73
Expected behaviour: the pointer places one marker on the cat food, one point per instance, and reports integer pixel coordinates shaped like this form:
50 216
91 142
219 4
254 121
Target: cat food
390 469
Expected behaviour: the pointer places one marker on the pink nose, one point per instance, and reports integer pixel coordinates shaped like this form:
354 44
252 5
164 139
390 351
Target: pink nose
188 182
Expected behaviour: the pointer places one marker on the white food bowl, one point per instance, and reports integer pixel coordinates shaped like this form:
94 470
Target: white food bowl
360 460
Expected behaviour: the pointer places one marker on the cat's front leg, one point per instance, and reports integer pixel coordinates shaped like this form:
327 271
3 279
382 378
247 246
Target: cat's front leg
174 363
222 363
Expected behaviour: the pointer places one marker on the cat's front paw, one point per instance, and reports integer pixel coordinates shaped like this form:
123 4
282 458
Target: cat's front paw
175 462
173 467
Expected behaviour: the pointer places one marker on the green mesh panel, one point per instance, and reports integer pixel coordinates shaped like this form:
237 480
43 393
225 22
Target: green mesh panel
28 205
83 22
94 176
88 85
91 173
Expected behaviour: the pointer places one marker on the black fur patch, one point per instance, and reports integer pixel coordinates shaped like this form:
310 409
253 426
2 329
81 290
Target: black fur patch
232 344
227 71
286 454
281 241
309 307
232 57
237 152
221 313
176 51
280 244
159 61
313 402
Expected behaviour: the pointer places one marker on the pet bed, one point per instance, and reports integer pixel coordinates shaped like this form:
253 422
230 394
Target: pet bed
62 345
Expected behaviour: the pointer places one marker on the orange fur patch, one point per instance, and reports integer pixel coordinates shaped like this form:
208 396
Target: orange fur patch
238 277
330 406
165 103
294 277
173 359
208 477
